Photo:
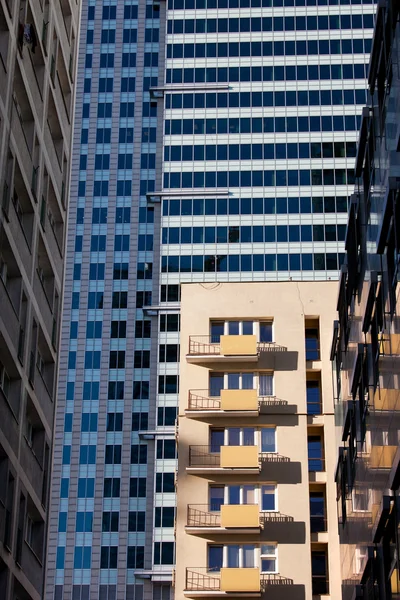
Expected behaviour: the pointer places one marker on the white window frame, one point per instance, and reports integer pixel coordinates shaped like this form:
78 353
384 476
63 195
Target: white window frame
276 441
258 556
241 432
271 485
273 555
354 502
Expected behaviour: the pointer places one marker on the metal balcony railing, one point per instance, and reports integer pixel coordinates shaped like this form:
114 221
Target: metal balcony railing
203 579
204 400
204 456
210 344
318 524
200 515
316 464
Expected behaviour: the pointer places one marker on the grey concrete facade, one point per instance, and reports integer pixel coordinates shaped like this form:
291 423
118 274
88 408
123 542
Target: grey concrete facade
38 44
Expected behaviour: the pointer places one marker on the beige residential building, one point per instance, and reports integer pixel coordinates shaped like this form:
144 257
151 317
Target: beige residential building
256 497
37 58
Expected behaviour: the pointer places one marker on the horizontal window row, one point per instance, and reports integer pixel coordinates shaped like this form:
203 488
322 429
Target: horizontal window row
280 48
267 73
235 263
260 151
247 24
256 234
271 178
256 206
261 125
191 4
122 214
259 99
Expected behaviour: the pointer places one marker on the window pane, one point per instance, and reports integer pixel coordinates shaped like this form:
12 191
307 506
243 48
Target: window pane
268 497
249 494
248 556
217 329
247 327
233 556
233 327
234 494
265 332
216 439
268 440
248 436
216 497
215 554
233 381
216 384
266 385
247 381
234 436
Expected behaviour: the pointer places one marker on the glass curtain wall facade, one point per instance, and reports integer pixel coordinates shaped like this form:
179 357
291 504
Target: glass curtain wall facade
366 341
213 143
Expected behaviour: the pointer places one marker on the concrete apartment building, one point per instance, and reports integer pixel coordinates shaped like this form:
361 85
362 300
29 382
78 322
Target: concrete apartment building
366 342
37 57
214 142
256 496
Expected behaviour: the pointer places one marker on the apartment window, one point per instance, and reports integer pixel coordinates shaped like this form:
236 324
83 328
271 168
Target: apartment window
268 554
165 483
164 516
140 421
317 512
136 521
112 487
138 454
114 421
113 455
135 558
84 521
216 495
166 416
137 487
108 557
314 400
110 521
316 460
85 487
164 553
312 339
268 497
319 571
166 449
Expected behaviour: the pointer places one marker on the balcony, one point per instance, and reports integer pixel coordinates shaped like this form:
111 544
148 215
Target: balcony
243 582
240 459
390 346
387 399
230 518
381 457
228 348
233 403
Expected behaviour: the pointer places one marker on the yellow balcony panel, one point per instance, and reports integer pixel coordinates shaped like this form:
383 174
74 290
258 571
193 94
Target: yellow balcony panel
387 399
238 345
381 457
239 457
240 580
392 345
239 400
240 515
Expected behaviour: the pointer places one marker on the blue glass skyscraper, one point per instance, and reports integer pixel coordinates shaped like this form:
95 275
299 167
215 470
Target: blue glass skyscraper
214 141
